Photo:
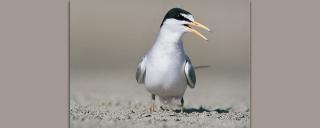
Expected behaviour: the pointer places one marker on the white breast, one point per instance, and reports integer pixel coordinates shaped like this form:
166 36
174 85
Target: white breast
165 71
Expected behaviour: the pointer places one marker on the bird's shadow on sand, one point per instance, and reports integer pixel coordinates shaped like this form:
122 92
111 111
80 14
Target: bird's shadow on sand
201 110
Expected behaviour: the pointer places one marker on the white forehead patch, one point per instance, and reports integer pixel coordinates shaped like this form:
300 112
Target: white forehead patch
190 17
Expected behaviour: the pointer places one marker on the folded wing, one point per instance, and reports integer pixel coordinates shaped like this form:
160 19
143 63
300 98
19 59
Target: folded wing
189 72
141 70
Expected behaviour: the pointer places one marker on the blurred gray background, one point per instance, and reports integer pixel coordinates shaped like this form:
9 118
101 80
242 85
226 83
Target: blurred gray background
108 37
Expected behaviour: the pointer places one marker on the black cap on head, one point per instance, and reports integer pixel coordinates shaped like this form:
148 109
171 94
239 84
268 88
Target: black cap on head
175 13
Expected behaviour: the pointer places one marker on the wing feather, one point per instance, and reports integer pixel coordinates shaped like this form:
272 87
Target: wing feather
141 70
190 73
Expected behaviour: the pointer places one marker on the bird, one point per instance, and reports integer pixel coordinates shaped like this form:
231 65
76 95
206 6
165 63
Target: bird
166 70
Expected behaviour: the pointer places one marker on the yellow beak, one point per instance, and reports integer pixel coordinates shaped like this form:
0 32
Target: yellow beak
197 24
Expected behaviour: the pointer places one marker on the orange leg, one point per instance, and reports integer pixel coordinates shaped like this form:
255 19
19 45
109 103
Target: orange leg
152 108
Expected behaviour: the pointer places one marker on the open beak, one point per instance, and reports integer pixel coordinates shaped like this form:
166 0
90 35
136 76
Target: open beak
197 24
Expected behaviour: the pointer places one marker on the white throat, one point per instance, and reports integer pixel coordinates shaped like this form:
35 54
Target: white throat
168 44
169 35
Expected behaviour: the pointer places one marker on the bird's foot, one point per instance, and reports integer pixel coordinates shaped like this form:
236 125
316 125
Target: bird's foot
152 108
181 109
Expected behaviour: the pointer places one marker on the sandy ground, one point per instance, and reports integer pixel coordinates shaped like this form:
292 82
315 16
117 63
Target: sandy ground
128 114
113 99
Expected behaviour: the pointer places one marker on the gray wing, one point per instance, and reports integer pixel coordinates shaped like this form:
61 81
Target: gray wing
141 70
189 72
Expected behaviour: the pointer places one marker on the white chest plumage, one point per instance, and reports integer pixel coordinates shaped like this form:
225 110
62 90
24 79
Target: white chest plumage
165 68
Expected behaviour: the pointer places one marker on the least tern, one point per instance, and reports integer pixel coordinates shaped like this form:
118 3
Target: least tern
166 70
